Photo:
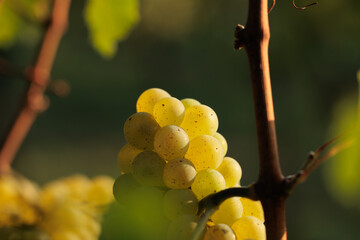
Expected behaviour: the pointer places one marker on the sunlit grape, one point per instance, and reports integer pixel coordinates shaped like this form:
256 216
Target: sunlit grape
206 182
200 120
148 98
148 169
179 173
126 156
219 232
205 152
169 111
222 140
229 211
231 171
171 142
178 202
249 227
253 208
189 102
139 130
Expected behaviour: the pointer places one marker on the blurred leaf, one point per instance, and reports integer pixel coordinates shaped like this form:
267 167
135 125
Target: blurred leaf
342 173
109 22
9 26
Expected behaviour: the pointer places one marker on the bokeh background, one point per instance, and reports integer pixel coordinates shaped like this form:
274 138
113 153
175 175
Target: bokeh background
186 48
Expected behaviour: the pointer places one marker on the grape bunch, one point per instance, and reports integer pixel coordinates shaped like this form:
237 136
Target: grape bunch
66 209
173 158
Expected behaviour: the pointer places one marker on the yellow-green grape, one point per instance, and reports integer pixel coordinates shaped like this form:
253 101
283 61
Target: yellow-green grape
140 129
101 190
222 140
220 232
253 208
148 169
229 211
171 142
189 102
147 99
78 185
182 228
200 120
179 173
123 187
126 156
53 194
207 181
169 111
249 228
231 171
205 152
178 202
65 235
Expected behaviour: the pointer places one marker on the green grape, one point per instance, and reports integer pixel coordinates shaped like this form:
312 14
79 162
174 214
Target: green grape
147 99
101 190
182 228
171 142
222 140
229 211
249 228
148 169
123 187
140 129
189 102
231 171
205 152
179 173
219 232
207 181
126 156
169 111
253 208
178 202
200 120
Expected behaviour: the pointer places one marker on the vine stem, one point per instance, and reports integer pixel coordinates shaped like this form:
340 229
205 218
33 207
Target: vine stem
39 77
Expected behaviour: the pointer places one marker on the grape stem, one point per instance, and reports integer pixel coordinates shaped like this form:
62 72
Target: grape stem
39 78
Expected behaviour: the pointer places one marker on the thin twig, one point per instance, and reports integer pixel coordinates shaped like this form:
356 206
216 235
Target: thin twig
305 7
39 79
272 6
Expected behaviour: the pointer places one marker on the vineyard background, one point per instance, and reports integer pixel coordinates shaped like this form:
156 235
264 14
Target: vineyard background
314 56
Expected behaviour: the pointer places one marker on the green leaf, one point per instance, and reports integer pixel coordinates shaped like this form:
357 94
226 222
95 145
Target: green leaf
109 22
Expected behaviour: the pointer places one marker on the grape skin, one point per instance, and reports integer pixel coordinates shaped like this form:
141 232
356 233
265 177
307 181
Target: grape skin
249 227
140 129
179 173
125 157
222 140
231 170
148 169
178 202
171 142
207 181
229 211
182 227
219 232
189 102
253 208
169 111
123 186
149 98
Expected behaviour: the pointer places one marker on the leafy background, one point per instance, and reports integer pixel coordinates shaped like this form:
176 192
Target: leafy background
185 47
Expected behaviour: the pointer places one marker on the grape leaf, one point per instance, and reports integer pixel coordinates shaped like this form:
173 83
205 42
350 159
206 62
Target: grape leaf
109 22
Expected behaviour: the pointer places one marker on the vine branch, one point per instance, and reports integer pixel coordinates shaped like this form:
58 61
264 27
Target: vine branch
39 78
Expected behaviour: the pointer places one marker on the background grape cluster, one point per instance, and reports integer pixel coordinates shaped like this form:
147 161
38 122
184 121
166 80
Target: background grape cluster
173 158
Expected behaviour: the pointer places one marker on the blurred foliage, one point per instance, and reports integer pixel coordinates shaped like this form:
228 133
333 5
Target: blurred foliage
342 173
313 56
109 22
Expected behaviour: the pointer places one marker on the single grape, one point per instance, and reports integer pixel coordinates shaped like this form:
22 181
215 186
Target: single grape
140 129
229 211
249 228
178 202
179 173
207 181
171 142
253 208
126 155
231 171
123 187
148 169
169 111
147 99
189 102
219 232
205 152
222 140
182 228
200 120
